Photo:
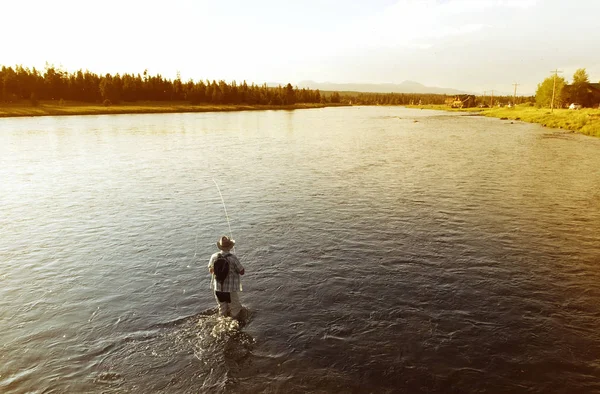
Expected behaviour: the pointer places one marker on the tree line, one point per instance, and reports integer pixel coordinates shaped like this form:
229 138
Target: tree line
427 99
20 83
580 91
358 98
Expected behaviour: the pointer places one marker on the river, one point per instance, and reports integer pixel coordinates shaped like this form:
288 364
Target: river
386 250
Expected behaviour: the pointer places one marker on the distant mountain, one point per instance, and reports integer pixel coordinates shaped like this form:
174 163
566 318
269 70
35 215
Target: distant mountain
404 87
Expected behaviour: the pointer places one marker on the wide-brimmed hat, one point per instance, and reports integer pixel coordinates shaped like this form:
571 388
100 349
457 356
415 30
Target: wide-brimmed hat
225 243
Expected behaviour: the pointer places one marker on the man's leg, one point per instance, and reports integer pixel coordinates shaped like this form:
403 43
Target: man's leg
235 307
224 309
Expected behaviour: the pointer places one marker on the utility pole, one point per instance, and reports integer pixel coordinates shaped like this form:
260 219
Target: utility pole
515 94
554 88
483 99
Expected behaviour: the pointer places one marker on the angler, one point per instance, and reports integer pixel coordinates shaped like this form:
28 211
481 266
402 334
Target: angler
226 270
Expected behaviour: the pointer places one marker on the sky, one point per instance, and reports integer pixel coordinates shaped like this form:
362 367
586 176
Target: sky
472 45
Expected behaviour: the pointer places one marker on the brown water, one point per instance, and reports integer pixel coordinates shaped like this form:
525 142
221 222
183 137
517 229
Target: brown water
386 250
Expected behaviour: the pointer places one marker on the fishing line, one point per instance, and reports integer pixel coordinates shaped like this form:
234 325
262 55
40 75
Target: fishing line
225 209
226 216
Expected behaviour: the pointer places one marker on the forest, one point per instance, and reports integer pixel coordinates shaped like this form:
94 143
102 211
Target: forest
18 84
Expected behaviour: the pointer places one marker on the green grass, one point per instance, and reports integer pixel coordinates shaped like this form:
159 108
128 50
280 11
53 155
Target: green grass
53 108
585 121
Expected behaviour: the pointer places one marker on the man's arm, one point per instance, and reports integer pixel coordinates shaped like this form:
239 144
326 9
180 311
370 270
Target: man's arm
211 264
239 267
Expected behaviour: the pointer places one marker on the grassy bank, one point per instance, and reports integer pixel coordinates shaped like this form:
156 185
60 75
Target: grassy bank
585 121
53 108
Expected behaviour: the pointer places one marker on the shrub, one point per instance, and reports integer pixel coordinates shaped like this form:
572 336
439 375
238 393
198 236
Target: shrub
107 103
61 102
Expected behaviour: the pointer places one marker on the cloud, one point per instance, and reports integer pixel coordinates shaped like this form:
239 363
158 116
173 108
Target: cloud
422 23
462 6
409 22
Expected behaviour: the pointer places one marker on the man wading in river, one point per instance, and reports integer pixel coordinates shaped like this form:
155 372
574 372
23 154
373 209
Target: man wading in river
226 270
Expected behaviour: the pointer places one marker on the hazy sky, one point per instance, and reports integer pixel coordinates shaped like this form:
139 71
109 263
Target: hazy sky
473 45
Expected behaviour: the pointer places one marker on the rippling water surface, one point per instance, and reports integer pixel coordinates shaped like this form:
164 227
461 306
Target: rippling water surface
386 250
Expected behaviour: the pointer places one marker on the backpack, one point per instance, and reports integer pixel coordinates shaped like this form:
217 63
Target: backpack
221 268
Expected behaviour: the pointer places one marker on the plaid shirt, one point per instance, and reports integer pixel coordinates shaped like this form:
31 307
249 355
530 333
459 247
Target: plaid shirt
233 281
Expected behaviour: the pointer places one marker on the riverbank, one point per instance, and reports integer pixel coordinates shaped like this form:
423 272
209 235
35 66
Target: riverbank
585 121
54 108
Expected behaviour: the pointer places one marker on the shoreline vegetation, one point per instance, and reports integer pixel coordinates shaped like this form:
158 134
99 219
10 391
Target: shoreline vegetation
54 108
585 121
56 92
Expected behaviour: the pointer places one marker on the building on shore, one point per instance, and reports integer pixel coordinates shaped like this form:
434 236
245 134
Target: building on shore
585 94
461 101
